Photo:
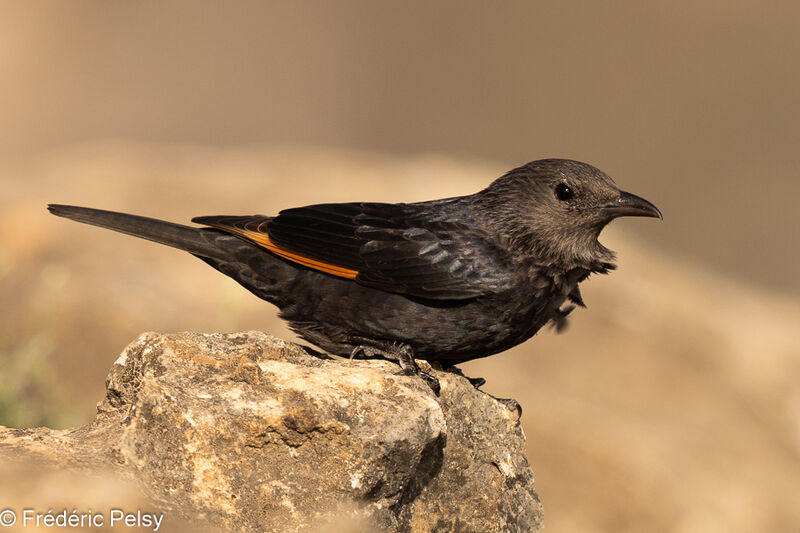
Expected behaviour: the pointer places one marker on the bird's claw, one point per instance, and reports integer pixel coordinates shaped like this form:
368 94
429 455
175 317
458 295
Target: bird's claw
432 382
402 354
477 382
409 367
512 405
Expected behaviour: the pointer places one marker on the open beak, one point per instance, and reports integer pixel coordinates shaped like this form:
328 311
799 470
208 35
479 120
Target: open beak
630 205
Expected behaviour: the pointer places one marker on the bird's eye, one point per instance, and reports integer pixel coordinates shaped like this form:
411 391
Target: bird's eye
563 192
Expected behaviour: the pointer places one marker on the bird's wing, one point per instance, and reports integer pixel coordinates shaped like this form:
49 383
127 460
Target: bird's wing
403 248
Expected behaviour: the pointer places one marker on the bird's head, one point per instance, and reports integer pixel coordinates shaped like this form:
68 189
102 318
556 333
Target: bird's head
556 208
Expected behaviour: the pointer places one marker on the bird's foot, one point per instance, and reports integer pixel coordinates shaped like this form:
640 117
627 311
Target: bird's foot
400 353
365 352
512 405
409 367
475 382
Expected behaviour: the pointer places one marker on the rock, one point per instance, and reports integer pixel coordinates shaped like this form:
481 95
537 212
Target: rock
247 432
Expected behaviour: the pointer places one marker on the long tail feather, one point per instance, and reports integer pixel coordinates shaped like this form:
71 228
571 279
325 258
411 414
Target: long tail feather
194 240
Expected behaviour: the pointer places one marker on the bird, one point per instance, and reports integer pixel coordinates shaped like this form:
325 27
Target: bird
447 280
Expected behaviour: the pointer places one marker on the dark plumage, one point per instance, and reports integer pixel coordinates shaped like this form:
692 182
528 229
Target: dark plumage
445 280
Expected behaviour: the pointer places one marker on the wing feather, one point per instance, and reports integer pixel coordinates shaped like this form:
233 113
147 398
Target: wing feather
413 249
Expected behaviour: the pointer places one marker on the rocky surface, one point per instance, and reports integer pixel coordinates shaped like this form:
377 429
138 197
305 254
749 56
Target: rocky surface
248 432
671 404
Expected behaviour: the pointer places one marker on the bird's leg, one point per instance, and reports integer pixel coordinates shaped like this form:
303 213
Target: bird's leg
365 352
398 352
409 367
366 348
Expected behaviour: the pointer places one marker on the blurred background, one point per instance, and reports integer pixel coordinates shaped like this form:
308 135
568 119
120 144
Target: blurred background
671 404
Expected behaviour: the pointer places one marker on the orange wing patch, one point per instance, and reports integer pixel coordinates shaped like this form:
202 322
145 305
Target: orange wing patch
262 239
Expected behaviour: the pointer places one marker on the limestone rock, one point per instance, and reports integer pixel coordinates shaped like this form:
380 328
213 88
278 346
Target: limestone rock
248 432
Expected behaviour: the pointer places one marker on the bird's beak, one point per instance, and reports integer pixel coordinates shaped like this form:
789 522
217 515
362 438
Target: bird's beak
630 205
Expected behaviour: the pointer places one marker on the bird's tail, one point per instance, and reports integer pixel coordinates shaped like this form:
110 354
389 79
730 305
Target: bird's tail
193 240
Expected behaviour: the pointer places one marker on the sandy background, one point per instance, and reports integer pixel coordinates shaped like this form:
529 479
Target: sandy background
672 403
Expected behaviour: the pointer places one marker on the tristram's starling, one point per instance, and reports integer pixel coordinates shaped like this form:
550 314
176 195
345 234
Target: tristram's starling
444 280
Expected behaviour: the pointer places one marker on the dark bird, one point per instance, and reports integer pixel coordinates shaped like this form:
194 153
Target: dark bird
444 280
